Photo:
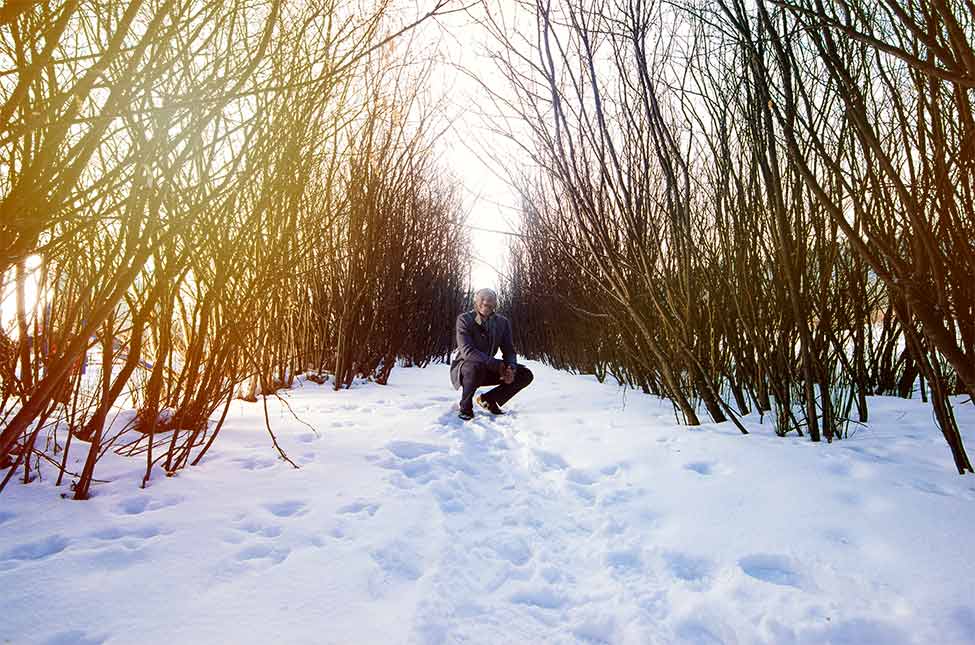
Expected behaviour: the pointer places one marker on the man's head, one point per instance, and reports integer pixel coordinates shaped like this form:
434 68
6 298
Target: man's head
485 302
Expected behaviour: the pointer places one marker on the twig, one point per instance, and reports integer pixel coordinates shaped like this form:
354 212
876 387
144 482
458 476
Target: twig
274 440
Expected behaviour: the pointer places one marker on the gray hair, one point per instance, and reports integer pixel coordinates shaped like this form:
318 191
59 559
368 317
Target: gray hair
484 293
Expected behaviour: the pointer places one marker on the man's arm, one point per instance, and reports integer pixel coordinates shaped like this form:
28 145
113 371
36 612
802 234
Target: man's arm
465 344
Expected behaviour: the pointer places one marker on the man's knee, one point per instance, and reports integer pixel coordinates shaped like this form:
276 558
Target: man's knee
524 376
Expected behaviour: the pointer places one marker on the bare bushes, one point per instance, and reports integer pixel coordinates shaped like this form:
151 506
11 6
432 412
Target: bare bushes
202 200
751 208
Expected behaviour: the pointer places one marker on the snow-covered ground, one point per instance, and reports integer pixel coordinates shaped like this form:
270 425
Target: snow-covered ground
584 515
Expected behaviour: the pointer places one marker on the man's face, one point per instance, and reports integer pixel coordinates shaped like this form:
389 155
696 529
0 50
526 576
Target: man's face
485 306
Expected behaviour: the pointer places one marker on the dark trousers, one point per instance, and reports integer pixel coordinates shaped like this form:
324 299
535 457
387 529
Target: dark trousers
475 375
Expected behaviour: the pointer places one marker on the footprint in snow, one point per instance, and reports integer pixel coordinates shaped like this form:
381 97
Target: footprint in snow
6 517
771 568
306 458
357 508
139 505
340 531
33 551
701 467
700 633
512 548
263 552
552 575
621 496
624 561
259 529
416 463
581 477
119 533
597 629
117 556
413 449
584 492
134 506
75 637
550 460
417 470
397 561
448 500
689 568
839 468
544 598
288 508
612 469
254 463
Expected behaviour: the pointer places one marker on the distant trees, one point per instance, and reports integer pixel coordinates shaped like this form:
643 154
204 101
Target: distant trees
751 205
220 196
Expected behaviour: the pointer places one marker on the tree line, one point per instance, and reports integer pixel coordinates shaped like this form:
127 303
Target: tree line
749 206
201 201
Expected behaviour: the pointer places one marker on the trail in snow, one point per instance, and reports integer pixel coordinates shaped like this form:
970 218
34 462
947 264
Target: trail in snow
528 542
583 516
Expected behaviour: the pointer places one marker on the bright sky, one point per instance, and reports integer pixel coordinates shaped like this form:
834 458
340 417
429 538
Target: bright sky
477 157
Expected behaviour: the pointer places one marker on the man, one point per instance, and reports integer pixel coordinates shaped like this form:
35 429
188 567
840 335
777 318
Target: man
480 333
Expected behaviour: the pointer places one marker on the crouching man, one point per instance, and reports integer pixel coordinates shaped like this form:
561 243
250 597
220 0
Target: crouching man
480 333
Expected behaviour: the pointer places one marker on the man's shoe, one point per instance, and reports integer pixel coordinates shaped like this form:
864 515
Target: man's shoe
465 415
489 405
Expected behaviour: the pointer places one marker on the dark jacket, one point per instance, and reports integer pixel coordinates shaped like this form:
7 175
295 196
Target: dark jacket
476 343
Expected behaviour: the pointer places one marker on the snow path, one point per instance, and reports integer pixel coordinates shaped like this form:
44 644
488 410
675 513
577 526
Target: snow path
585 515
502 561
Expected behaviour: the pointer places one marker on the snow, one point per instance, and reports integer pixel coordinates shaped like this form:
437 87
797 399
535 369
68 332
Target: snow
585 515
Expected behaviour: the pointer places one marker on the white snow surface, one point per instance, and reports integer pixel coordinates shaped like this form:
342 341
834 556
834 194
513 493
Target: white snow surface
585 515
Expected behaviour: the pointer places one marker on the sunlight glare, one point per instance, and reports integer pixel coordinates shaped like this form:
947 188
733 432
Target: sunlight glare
8 297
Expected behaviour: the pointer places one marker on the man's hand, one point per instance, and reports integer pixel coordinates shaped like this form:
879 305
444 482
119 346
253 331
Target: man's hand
507 373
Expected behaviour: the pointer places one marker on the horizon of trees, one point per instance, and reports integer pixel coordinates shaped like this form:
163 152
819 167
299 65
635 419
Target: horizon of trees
748 206
211 199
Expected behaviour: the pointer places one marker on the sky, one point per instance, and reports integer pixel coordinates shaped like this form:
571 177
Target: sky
475 156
